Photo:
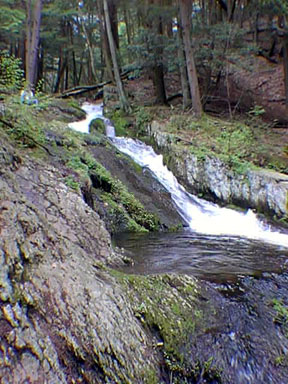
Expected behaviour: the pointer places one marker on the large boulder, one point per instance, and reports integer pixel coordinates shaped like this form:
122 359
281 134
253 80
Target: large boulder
63 317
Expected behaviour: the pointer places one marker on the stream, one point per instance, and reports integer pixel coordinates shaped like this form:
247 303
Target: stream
241 262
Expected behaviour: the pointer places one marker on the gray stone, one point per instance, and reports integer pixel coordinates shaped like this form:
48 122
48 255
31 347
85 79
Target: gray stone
262 189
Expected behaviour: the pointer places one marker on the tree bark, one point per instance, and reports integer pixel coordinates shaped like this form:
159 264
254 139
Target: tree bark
191 68
285 59
33 22
127 25
183 71
114 21
62 64
120 89
108 71
285 65
155 24
89 44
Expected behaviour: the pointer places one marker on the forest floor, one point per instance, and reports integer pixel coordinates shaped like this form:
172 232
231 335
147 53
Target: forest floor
257 102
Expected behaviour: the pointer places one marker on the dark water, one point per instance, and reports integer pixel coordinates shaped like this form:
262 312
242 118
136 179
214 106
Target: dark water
213 258
240 281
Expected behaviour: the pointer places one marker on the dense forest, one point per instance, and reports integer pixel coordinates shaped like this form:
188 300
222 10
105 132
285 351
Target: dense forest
65 45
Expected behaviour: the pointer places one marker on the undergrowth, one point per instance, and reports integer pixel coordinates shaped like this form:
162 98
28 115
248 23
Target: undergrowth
242 145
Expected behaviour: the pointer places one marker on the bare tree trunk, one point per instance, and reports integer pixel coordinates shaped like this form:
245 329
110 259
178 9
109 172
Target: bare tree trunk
28 37
285 63
114 21
183 71
156 69
89 44
108 71
62 64
32 40
121 93
127 25
191 68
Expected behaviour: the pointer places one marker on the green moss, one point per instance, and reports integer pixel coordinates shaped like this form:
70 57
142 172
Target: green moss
120 122
281 361
281 316
119 217
23 127
72 183
168 306
242 145
143 118
165 304
97 126
123 200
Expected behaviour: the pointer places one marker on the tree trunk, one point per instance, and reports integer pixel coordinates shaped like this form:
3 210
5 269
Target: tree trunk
127 25
285 64
32 40
89 44
158 81
108 71
62 64
120 89
156 68
183 71
191 68
114 21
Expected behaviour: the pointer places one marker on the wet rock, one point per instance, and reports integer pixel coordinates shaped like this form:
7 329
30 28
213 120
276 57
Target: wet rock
263 190
140 183
97 126
63 317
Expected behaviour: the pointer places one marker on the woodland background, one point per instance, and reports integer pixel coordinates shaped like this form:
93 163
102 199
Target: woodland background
63 45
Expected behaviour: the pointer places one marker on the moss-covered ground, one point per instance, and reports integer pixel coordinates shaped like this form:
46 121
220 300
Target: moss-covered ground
42 132
169 307
242 142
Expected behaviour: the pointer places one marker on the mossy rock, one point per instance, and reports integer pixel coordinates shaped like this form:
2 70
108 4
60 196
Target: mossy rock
97 126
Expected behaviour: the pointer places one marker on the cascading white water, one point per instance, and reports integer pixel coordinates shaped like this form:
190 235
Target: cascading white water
93 111
201 216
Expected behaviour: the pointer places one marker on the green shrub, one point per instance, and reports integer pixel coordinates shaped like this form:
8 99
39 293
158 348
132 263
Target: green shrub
24 125
120 123
11 74
143 119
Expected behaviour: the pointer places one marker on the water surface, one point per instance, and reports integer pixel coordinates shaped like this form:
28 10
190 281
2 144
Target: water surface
209 257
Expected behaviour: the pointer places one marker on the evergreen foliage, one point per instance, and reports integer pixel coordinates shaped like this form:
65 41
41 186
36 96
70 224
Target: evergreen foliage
74 48
11 74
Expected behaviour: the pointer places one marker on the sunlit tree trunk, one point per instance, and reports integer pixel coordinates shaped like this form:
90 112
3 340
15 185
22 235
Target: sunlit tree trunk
191 68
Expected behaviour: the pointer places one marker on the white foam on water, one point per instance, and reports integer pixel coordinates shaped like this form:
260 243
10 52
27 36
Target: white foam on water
93 111
202 216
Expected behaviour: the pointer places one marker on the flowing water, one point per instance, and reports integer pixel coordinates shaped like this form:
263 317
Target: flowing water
243 259
93 111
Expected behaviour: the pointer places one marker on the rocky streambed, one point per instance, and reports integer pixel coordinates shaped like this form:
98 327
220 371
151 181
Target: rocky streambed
70 313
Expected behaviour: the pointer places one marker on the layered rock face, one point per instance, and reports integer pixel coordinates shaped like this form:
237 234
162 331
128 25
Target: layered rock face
63 317
261 189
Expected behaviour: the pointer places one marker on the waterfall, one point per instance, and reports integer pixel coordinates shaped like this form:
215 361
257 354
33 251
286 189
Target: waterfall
201 216
93 111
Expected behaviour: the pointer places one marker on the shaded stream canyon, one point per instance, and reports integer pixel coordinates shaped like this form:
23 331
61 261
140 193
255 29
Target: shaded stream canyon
244 261
195 294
